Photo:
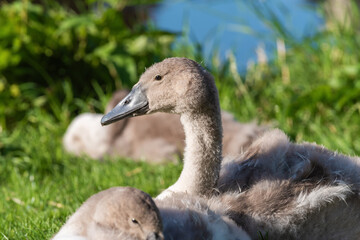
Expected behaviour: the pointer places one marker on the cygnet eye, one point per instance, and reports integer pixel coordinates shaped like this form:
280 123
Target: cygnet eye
158 77
134 221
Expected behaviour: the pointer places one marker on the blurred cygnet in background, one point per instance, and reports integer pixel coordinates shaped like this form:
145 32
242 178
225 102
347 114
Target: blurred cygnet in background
154 138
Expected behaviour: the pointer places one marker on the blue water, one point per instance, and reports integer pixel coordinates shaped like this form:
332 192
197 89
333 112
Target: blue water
224 25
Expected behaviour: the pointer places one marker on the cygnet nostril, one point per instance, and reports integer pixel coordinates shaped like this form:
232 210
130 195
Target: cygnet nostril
127 101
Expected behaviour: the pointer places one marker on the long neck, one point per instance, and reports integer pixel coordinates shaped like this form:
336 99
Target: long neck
202 157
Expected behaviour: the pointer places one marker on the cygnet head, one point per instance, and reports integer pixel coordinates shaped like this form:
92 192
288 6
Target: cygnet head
177 85
127 212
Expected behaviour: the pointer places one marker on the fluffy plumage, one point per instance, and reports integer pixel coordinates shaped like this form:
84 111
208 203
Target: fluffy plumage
273 156
287 210
110 214
280 208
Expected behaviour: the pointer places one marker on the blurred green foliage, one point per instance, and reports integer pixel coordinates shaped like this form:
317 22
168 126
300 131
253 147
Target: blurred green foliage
50 55
310 89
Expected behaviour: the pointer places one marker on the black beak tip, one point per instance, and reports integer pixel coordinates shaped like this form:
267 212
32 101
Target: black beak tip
105 120
134 104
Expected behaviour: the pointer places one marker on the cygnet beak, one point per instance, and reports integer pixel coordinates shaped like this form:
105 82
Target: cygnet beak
134 104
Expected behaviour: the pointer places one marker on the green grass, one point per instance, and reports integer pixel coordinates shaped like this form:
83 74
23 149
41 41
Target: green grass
41 185
318 103
34 206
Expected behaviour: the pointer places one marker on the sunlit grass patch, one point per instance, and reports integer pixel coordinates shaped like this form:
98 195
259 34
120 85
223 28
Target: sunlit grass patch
41 185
